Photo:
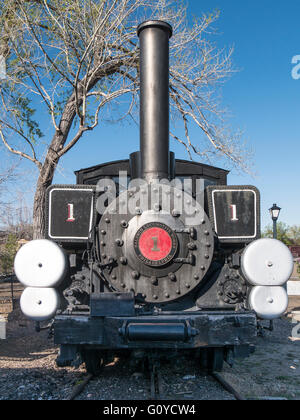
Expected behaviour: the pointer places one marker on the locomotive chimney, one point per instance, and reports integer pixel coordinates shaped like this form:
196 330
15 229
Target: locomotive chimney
154 99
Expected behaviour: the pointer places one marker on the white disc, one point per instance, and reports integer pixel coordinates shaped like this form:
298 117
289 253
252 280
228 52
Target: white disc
267 262
40 263
39 304
268 302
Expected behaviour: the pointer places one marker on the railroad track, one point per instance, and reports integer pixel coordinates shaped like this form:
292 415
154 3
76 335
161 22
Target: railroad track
156 385
227 386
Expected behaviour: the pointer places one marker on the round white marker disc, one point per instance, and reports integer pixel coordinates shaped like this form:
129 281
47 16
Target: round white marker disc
39 304
268 302
40 263
267 262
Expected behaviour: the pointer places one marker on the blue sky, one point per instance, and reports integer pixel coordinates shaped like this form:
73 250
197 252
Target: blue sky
263 98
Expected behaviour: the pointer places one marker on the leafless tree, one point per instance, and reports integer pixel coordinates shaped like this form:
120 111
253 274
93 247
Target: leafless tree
75 58
7 176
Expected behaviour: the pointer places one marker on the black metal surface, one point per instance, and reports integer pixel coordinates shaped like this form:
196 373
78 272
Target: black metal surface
214 330
154 99
156 332
112 304
235 212
152 283
69 224
78 330
179 168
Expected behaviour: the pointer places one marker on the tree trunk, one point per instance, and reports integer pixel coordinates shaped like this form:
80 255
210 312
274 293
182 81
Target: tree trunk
58 141
48 169
39 214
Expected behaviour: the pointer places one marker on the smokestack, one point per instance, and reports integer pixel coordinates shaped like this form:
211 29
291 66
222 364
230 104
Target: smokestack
154 99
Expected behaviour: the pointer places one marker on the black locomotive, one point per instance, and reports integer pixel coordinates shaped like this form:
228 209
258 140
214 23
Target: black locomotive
153 255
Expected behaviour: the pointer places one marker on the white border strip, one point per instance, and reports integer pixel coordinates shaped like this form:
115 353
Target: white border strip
50 207
255 216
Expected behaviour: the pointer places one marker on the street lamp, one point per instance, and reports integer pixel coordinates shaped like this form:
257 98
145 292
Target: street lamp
274 212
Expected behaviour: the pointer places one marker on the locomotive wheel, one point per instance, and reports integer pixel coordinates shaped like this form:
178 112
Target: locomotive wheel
93 360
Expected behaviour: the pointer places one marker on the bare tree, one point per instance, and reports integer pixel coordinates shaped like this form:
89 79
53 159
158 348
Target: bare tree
74 58
16 218
7 176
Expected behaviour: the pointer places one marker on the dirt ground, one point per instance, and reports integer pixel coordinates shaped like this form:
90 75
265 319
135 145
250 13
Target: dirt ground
274 369
28 369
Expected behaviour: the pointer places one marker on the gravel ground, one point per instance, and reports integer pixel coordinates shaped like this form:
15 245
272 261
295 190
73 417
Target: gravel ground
274 369
28 371
181 382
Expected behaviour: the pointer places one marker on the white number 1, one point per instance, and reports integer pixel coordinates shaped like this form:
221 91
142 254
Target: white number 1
70 213
233 213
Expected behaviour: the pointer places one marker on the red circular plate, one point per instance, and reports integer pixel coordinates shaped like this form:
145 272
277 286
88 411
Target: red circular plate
155 243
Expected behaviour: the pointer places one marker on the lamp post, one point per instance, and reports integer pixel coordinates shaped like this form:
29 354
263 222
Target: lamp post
274 212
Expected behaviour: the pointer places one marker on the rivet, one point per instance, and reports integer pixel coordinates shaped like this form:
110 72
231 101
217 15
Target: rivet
156 207
196 277
102 243
202 267
103 232
153 280
187 285
123 260
135 274
207 256
206 232
124 224
103 256
167 295
119 242
175 213
123 285
178 292
113 276
107 220
155 297
172 276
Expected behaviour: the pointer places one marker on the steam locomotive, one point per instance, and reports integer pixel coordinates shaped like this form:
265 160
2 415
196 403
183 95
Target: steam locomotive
153 255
